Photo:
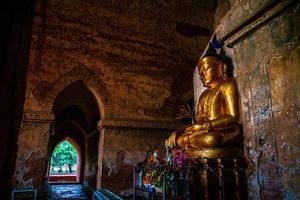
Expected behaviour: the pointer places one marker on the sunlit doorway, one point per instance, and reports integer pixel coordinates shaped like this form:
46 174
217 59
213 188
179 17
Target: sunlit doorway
65 162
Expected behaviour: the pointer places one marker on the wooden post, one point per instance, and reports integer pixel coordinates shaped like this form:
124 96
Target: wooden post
220 179
134 184
203 177
164 186
236 178
187 179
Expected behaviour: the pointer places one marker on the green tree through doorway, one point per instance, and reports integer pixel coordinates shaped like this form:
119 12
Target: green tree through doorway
63 159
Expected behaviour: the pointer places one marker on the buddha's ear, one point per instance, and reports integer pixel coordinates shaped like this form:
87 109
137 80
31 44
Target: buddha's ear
223 70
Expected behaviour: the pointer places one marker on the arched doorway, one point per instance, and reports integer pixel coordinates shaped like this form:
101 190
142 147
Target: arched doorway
65 163
72 132
76 116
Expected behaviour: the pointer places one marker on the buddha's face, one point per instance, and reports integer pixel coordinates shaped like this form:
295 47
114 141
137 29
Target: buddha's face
209 74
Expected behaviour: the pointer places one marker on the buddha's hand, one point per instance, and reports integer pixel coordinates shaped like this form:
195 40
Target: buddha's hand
202 119
195 128
170 142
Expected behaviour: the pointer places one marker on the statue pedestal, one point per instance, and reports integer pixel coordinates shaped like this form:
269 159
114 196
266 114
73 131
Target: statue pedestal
215 153
221 174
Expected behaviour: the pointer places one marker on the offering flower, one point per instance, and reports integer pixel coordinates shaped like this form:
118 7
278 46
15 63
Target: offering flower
180 158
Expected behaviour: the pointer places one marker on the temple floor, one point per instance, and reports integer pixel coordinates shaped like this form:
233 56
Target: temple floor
67 191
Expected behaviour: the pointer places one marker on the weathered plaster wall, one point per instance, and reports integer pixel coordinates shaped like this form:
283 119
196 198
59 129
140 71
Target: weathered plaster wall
132 48
136 57
31 161
267 70
123 149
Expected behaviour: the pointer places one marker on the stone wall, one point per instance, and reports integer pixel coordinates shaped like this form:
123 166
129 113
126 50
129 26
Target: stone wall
136 51
136 57
31 164
123 148
267 69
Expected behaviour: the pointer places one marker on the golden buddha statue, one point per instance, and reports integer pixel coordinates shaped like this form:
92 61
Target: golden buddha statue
217 119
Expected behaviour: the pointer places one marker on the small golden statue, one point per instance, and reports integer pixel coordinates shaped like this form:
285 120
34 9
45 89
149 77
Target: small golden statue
217 120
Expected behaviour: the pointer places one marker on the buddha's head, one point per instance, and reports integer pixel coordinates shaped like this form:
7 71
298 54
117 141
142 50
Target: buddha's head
211 71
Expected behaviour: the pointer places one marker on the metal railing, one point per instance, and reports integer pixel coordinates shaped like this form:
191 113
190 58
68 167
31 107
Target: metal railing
212 179
105 194
28 190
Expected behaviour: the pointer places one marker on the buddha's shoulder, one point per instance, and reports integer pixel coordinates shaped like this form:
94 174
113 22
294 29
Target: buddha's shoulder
229 82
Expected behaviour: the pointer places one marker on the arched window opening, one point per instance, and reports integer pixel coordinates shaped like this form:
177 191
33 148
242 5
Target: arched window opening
65 162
